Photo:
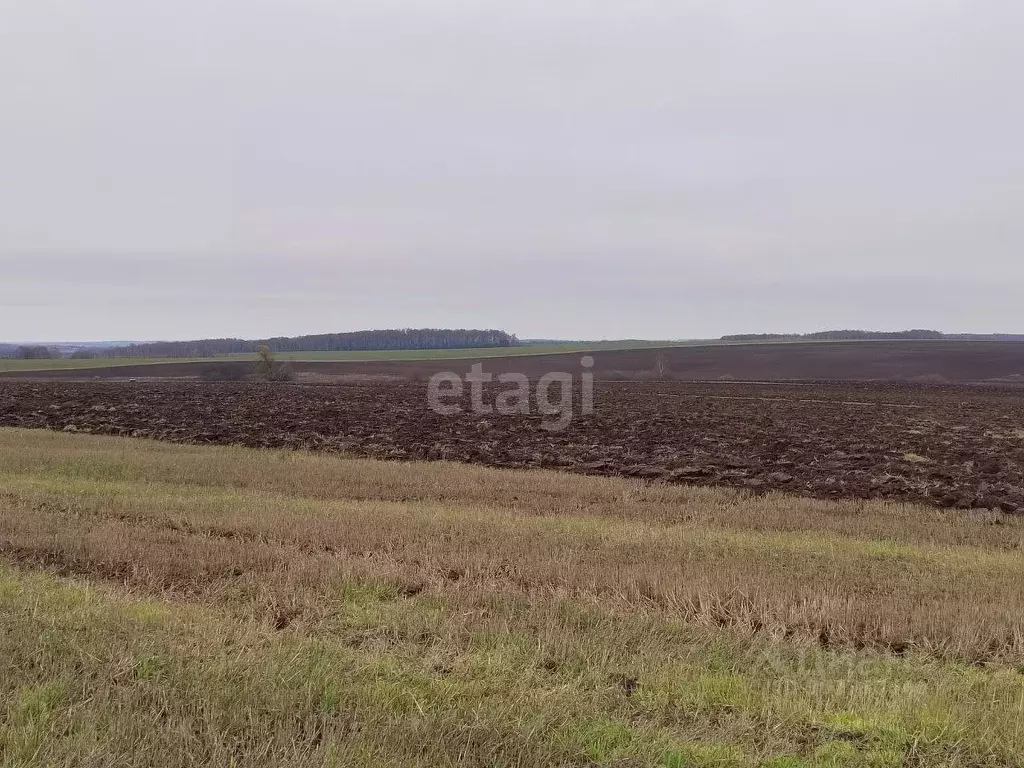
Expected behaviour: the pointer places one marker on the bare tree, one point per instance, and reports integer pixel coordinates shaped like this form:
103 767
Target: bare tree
661 366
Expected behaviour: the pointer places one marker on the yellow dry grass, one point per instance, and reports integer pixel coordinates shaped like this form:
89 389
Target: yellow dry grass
178 605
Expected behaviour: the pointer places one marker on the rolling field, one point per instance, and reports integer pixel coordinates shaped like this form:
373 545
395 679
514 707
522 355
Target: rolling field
915 361
175 605
412 355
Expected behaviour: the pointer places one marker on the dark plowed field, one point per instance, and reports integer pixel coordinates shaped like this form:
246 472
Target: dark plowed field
929 361
946 446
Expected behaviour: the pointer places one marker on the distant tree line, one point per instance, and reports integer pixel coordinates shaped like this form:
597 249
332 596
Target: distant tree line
984 336
384 340
33 352
847 335
44 352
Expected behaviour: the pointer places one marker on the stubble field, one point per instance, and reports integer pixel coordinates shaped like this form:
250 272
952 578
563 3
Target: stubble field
180 605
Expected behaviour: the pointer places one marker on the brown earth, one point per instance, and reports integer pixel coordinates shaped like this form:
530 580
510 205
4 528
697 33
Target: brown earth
942 445
933 361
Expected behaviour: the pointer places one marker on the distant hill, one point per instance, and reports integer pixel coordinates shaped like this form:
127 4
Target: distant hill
925 361
407 338
855 335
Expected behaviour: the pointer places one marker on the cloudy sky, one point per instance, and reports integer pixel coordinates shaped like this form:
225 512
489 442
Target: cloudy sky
556 168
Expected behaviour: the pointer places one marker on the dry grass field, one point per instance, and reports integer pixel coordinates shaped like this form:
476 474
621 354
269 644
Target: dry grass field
176 605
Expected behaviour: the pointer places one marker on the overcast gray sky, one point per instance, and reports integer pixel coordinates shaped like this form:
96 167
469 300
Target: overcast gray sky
556 168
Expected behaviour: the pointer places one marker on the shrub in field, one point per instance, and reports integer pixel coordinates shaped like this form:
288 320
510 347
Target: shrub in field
268 368
281 372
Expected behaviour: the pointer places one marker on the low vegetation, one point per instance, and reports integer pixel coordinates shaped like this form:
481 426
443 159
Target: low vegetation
174 605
